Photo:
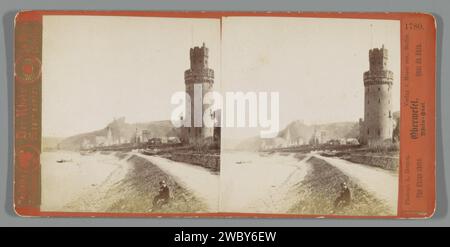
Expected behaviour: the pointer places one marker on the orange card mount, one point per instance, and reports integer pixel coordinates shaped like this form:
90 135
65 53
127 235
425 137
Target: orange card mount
98 132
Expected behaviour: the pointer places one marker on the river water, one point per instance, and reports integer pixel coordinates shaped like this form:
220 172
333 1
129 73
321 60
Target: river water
64 182
259 183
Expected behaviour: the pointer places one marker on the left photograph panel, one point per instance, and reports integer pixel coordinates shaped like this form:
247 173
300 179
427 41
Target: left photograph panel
116 114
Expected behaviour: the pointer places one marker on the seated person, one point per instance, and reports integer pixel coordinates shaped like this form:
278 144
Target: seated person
163 195
344 197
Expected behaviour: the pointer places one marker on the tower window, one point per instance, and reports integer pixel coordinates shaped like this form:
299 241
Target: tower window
368 132
367 101
390 114
378 89
378 100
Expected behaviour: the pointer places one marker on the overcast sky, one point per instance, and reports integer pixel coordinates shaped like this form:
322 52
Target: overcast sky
316 65
98 68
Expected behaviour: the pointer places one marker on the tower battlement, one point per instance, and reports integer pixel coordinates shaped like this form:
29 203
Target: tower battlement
378 58
199 72
199 57
378 72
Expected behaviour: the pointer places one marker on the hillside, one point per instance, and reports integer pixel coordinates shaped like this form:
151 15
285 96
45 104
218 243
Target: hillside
298 131
50 143
120 130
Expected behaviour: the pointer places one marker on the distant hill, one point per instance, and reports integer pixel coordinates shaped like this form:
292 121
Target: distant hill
120 130
298 131
50 143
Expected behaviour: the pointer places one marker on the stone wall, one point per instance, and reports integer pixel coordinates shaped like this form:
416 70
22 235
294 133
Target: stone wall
210 161
385 162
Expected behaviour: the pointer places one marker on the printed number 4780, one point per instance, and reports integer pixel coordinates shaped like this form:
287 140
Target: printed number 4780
413 26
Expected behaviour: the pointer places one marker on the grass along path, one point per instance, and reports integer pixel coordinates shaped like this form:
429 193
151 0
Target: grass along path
380 182
200 181
135 190
319 189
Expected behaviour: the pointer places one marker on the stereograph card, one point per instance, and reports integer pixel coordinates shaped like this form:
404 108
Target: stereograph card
224 114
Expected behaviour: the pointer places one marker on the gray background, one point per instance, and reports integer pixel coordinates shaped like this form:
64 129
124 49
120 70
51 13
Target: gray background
439 8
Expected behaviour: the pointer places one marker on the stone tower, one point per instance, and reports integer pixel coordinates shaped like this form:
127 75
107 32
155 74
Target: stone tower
378 124
199 80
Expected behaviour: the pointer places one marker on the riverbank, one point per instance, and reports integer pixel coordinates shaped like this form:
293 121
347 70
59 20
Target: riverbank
201 182
252 182
109 182
321 186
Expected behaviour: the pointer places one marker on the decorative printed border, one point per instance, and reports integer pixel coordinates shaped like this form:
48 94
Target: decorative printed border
417 137
27 111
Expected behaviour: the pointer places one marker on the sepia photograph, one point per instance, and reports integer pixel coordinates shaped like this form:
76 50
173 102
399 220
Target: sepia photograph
271 115
335 150
109 143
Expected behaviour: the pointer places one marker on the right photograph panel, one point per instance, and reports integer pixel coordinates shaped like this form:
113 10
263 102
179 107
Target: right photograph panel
311 117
